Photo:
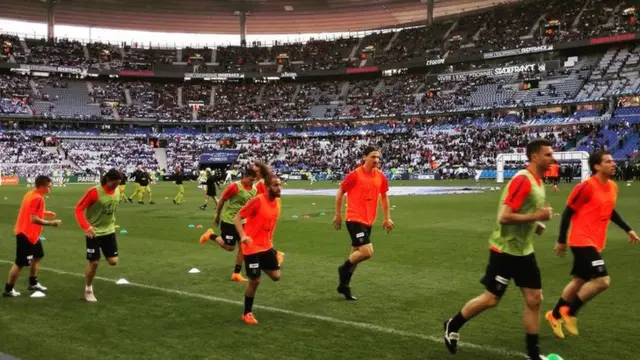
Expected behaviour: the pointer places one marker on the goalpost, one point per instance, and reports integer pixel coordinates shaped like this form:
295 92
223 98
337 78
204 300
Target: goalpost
581 156
11 173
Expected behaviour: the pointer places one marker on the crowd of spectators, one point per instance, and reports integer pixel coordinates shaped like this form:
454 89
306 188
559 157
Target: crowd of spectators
96 157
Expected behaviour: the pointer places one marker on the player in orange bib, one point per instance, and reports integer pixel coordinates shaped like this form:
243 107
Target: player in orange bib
363 186
590 207
256 240
28 228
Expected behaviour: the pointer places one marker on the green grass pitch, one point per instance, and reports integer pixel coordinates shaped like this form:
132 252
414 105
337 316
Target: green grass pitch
421 273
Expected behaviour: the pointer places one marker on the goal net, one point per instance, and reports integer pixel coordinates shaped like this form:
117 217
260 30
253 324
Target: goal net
576 157
14 173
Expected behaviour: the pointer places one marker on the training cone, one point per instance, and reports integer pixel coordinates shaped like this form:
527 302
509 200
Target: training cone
6 198
322 214
554 357
194 271
38 294
313 203
199 226
306 216
42 238
166 198
122 282
295 217
123 231
191 226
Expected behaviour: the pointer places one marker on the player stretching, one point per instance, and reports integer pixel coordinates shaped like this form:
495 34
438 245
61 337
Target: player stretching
364 186
234 197
511 255
96 215
256 241
29 251
589 208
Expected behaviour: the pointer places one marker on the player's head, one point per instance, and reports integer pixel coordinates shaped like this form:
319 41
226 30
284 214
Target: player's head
43 184
249 176
540 153
602 162
273 186
371 157
111 180
208 170
262 169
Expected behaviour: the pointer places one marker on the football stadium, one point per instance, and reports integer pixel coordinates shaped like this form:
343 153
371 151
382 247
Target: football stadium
208 179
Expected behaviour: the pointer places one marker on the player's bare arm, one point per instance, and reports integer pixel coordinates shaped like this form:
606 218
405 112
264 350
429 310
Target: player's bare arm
387 223
216 219
237 221
337 219
36 220
510 217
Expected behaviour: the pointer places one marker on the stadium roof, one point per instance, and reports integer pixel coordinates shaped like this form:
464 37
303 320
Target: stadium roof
220 16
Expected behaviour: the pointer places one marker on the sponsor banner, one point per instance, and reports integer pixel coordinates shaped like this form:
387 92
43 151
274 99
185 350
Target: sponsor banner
435 62
423 177
55 180
219 156
90 179
10 180
365 69
612 39
464 75
59 69
215 75
137 73
516 52
518 68
289 75
491 72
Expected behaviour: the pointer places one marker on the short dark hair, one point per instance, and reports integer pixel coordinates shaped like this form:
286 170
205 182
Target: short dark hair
249 172
368 150
535 145
596 158
111 175
42 180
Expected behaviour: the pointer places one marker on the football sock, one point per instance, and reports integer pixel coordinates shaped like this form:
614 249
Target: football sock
556 310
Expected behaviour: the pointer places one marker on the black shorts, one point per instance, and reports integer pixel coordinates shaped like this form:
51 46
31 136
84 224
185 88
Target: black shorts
266 260
229 234
360 233
587 263
107 243
503 267
211 192
26 251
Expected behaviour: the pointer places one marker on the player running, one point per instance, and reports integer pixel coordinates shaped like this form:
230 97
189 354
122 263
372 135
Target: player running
234 197
29 250
522 206
211 183
96 215
590 206
364 186
256 241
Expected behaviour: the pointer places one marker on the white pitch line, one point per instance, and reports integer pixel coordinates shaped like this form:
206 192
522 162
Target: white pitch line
360 325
